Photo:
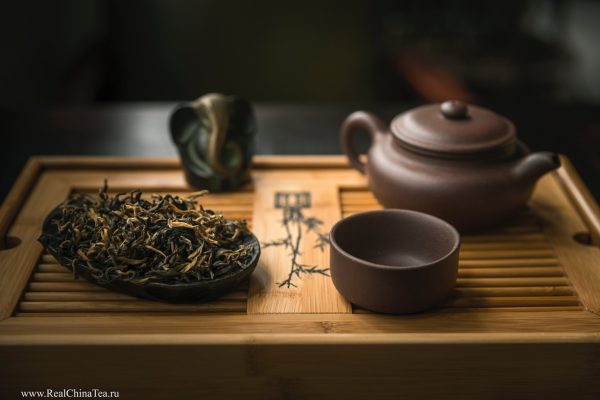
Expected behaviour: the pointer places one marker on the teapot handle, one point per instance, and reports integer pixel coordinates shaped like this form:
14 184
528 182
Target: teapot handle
352 124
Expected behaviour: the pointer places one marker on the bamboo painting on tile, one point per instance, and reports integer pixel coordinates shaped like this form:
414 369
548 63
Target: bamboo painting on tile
295 222
293 273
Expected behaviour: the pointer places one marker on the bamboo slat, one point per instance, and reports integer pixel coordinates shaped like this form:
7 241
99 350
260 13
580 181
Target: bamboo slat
510 272
510 262
513 281
107 306
515 291
104 295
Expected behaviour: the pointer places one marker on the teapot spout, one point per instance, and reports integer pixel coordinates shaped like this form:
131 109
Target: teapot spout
534 165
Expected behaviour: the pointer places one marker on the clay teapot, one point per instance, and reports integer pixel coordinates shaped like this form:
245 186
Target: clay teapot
459 162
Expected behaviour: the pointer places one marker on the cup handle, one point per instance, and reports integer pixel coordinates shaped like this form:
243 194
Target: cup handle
359 120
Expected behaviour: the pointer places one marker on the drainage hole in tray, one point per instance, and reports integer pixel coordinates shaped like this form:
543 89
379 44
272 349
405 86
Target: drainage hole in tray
583 238
10 242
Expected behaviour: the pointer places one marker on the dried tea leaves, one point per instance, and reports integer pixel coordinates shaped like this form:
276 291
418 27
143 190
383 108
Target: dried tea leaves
166 239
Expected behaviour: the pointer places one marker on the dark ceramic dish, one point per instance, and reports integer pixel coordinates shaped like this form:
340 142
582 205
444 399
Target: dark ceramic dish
173 293
394 261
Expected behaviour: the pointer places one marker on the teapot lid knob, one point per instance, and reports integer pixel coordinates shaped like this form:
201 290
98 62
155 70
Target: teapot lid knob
454 109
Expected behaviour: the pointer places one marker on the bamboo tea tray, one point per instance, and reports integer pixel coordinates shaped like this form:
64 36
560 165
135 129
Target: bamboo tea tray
523 321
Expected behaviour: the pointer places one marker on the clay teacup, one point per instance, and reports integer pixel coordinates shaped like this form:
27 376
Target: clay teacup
394 261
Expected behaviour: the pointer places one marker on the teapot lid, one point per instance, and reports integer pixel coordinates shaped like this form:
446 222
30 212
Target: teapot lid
454 129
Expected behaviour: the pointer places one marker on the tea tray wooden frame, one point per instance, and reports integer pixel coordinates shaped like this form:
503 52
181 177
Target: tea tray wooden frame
524 321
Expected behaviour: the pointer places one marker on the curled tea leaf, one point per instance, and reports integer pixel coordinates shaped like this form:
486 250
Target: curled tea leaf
165 239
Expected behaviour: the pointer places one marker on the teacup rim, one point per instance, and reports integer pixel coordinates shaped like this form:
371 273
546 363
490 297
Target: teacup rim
454 232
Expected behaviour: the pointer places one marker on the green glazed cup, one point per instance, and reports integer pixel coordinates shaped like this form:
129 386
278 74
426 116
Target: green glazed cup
215 139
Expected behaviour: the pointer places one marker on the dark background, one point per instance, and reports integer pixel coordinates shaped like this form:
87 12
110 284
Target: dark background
100 77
